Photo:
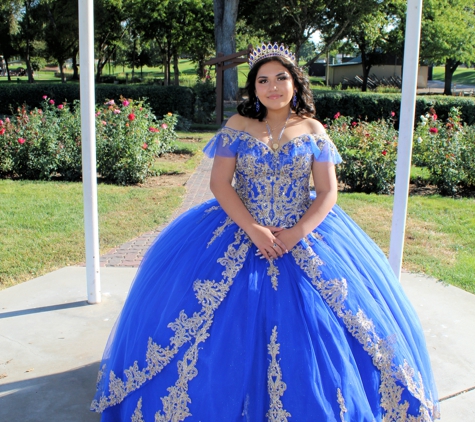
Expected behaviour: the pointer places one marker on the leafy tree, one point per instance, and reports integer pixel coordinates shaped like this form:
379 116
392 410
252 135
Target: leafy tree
370 34
448 35
291 22
27 39
110 25
9 25
61 30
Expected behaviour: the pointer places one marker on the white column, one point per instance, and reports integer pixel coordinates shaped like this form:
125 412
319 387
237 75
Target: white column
406 128
88 130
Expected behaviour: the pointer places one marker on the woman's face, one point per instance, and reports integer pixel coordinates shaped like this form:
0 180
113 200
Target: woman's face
274 85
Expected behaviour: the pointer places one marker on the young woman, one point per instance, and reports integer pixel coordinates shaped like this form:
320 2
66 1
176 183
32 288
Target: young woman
268 303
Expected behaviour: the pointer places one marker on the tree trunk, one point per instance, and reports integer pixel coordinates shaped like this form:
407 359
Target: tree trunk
133 57
366 68
450 67
8 69
225 15
29 70
175 69
75 66
61 71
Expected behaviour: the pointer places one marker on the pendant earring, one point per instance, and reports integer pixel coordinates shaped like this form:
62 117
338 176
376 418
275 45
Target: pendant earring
258 105
294 100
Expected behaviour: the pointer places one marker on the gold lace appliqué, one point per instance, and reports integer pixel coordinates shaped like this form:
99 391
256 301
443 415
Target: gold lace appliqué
275 386
393 379
187 329
341 402
220 230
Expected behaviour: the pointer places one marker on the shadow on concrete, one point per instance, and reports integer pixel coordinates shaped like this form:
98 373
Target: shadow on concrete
62 397
44 309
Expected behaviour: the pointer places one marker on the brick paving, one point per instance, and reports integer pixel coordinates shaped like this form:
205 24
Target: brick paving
130 254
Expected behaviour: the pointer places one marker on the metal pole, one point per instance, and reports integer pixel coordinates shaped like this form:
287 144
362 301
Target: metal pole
88 135
406 130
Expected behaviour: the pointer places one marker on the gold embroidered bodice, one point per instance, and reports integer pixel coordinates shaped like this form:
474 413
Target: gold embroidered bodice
274 185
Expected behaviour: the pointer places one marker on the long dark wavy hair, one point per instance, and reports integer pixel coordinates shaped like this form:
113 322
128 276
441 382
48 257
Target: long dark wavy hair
305 105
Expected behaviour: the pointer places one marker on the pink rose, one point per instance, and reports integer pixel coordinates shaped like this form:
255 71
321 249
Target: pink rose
51 101
144 146
337 115
61 106
2 131
433 130
103 122
393 113
434 117
1 122
353 124
97 114
164 125
7 120
153 129
125 103
21 141
44 97
116 111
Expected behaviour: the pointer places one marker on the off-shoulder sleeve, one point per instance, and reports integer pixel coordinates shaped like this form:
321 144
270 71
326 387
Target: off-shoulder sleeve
324 150
224 144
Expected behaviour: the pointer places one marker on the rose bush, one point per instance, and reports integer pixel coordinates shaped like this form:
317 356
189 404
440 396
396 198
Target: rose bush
129 137
368 150
447 150
46 142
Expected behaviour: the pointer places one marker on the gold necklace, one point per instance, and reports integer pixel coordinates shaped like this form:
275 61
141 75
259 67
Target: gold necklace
275 145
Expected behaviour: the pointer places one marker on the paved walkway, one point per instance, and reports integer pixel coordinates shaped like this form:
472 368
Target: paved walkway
131 253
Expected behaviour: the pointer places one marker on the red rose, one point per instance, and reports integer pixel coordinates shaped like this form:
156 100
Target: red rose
353 124
2 131
384 152
21 141
433 130
337 115
131 116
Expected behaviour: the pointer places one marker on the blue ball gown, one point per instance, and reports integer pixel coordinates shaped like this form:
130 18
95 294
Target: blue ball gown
212 333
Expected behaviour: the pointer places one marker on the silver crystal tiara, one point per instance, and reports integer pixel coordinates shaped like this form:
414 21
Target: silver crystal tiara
270 50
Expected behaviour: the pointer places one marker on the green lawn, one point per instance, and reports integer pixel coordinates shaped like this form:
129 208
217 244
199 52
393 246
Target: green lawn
41 223
461 75
440 233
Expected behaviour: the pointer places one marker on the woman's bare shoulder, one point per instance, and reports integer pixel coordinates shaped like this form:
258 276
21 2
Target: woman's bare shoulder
313 126
237 122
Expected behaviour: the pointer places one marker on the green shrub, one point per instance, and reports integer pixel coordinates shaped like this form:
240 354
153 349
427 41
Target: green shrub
205 101
447 150
374 106
129 137
368 150
46 142
162 99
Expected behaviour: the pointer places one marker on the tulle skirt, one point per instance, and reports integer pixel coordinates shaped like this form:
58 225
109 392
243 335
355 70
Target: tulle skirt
211 332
